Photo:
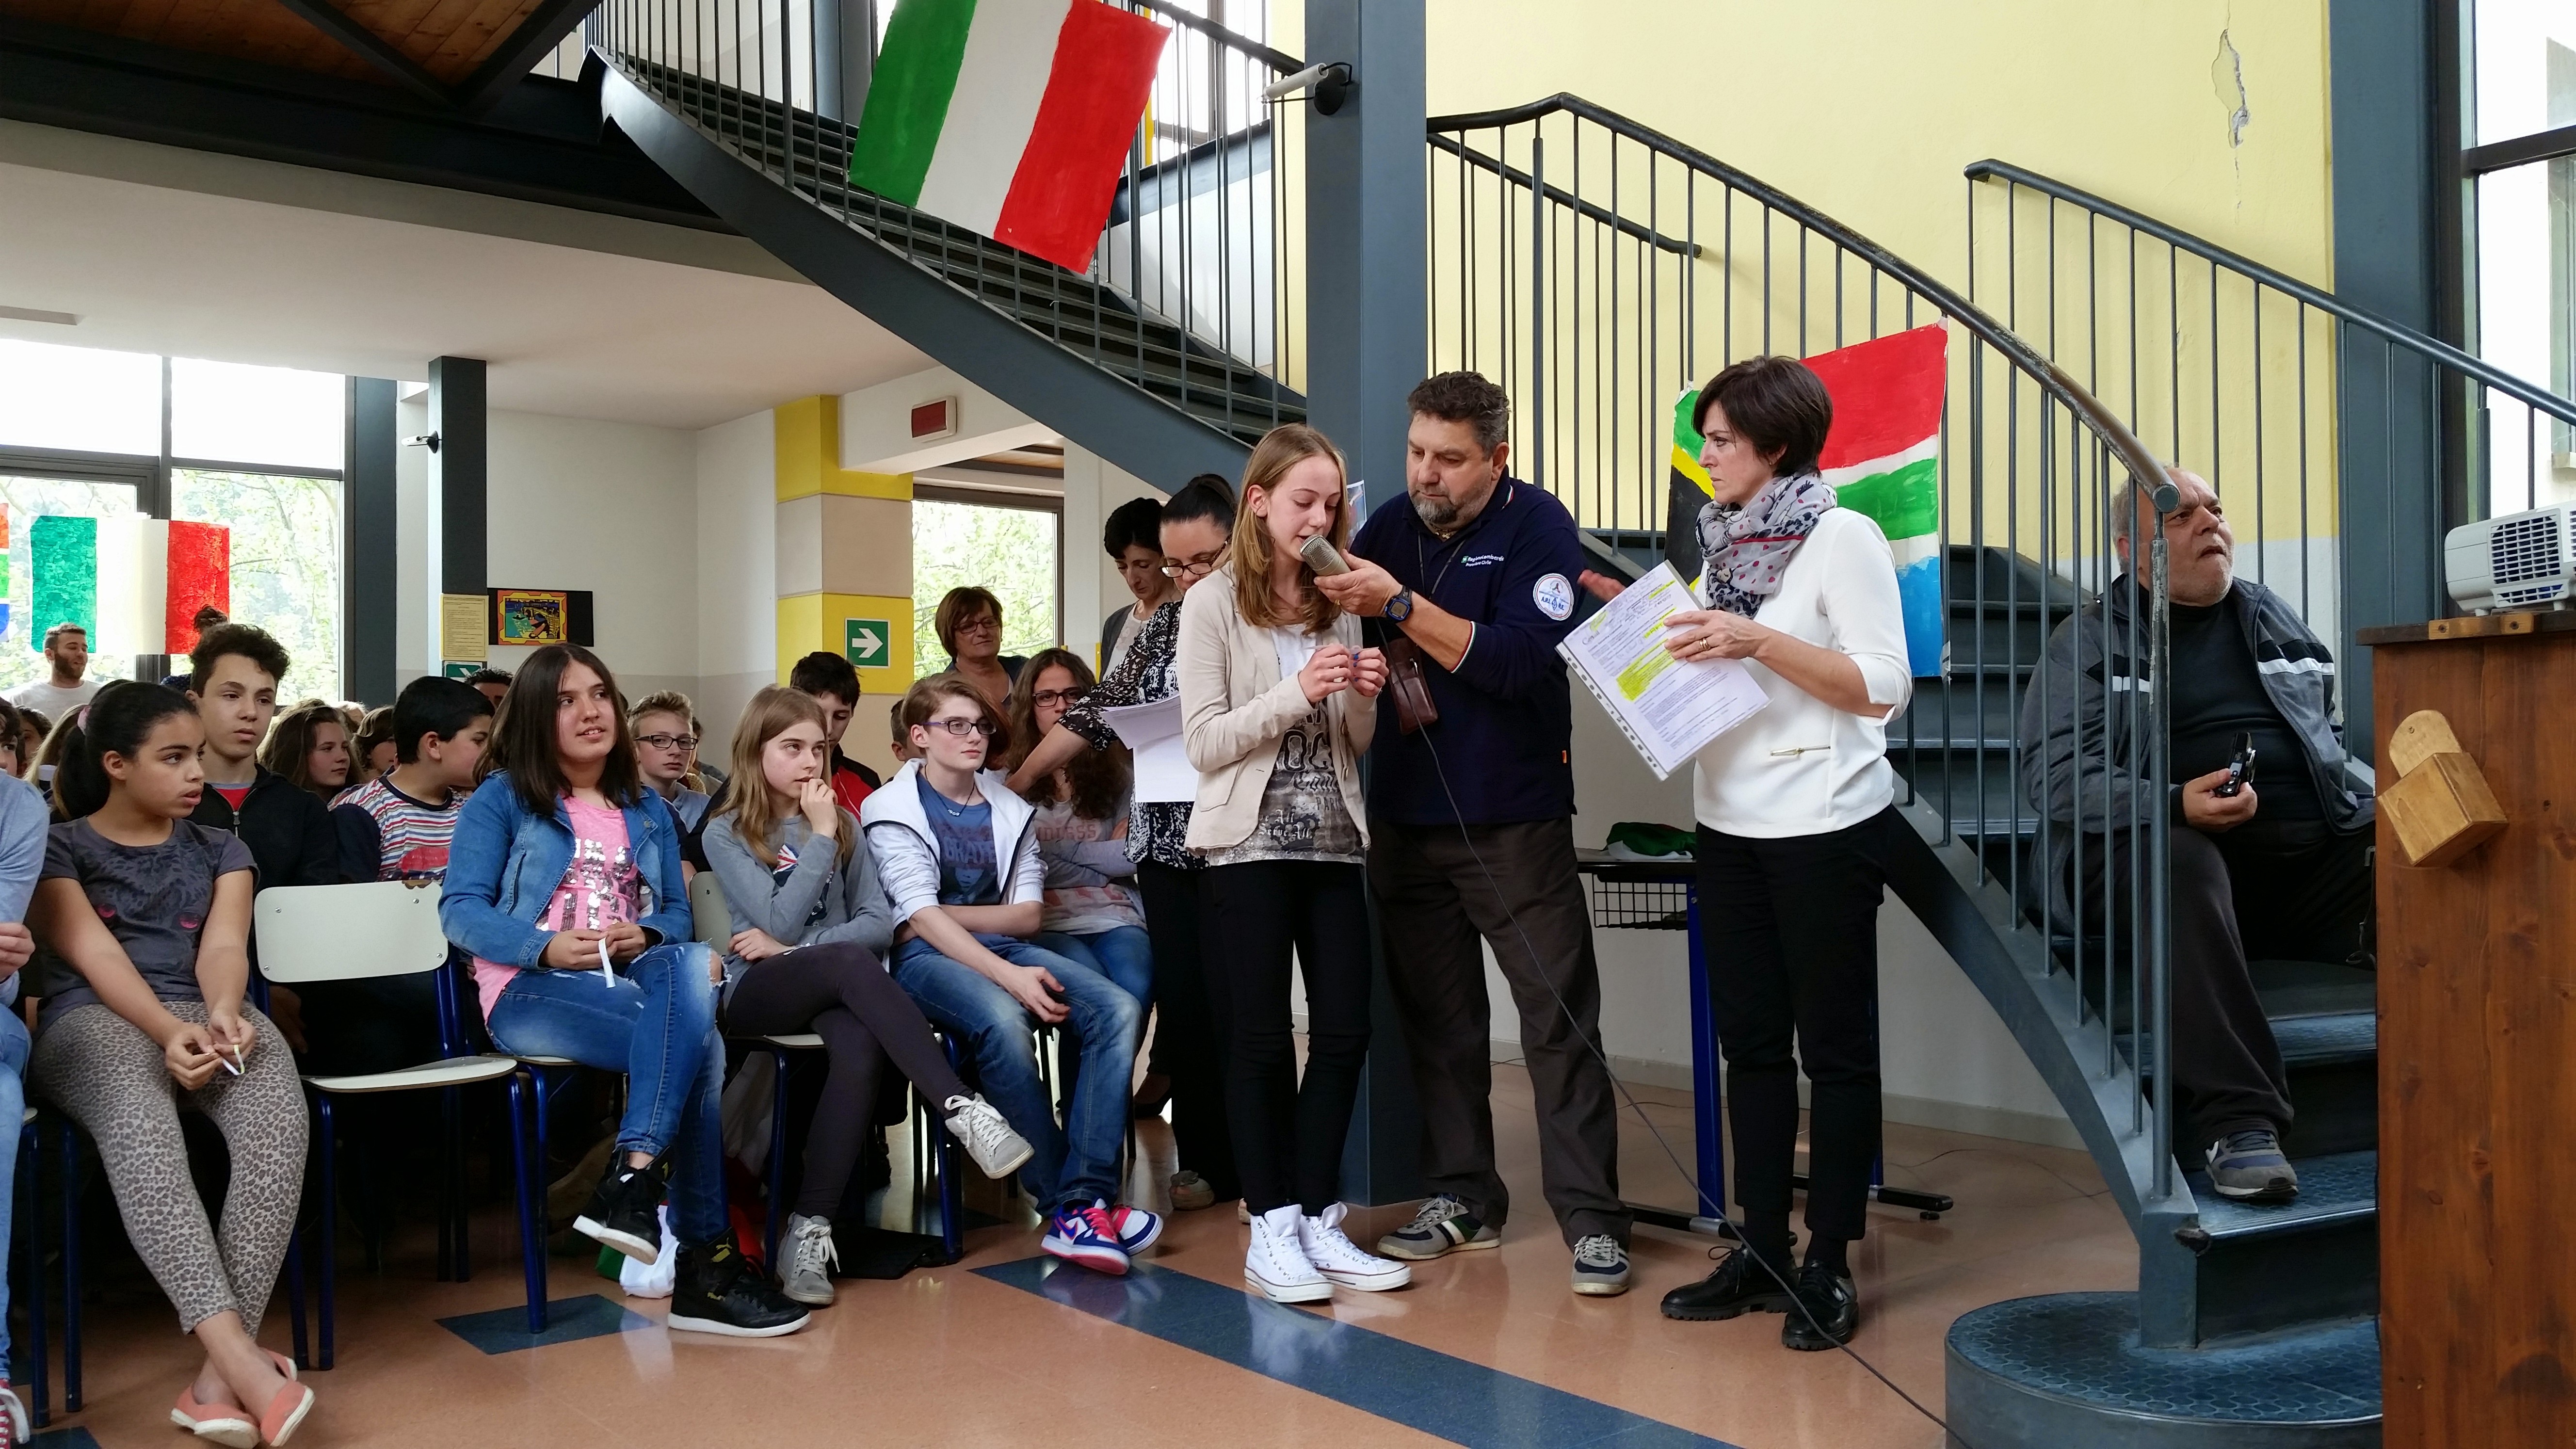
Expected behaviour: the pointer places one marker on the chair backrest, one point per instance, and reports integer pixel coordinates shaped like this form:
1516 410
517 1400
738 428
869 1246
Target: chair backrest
348 932
707 907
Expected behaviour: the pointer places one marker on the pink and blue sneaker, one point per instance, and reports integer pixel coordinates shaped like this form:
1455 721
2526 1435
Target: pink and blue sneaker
1137 1229
1085 1234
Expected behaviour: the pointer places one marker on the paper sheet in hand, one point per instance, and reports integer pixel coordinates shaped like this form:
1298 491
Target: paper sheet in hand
1669 709
1153 732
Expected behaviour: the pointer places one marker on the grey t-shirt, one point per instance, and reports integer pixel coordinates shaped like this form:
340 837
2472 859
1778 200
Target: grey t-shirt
154 899
1303 815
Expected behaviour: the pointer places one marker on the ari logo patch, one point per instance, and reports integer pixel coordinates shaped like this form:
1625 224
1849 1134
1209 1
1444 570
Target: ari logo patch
1554 597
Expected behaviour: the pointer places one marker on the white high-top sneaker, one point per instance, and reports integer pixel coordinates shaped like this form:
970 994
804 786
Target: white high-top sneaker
1344 1262
1276 1265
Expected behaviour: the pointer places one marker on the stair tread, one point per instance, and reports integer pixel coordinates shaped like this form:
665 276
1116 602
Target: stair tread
2314 1040
2334 1188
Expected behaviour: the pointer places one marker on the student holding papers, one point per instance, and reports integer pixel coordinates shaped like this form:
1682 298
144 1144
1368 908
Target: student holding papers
1197 523
1796 824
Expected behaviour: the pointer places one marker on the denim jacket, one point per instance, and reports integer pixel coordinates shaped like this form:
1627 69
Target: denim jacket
503 866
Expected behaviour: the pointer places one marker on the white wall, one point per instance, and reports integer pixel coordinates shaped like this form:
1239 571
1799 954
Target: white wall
608 507
876 424
1093 489
737 519
416 550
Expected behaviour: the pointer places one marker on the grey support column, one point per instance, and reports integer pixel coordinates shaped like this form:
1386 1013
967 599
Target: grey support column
1366 345
367 592
2388 256
845 50
459 471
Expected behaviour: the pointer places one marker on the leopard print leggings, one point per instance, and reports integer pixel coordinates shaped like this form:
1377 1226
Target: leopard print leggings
104 1073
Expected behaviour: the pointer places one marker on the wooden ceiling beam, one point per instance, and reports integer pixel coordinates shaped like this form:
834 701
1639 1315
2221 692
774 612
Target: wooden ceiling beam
370 47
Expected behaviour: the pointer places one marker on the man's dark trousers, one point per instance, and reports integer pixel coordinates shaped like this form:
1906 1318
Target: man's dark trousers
1439 902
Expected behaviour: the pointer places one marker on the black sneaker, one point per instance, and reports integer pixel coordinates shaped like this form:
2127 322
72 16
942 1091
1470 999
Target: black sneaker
1830 1304
718 1292
1737 1287
623 1209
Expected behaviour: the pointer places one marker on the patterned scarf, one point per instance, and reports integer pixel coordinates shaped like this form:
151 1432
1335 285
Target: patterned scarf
1747 546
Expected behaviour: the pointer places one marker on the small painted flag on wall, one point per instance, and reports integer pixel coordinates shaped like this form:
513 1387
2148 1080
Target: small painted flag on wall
1882 458
1008 117
134 584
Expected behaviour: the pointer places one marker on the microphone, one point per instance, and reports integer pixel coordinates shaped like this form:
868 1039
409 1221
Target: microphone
1321 556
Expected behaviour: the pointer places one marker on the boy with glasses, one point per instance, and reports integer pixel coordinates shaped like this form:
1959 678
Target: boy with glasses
959 858
666 738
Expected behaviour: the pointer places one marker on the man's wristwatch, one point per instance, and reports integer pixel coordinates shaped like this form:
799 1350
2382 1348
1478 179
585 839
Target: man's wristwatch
1399 608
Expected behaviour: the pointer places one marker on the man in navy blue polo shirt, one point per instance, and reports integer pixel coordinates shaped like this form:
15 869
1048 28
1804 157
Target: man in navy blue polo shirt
1472 829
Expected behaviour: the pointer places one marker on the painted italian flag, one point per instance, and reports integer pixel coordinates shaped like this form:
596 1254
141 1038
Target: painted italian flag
134 584
1882 458
1009 117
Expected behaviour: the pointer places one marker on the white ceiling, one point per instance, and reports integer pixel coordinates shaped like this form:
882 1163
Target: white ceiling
196 255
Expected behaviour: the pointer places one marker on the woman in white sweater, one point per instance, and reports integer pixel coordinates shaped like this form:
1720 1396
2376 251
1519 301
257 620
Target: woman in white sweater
1796 826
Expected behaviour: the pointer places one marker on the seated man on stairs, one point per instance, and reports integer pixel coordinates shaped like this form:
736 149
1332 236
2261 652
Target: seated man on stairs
2276 868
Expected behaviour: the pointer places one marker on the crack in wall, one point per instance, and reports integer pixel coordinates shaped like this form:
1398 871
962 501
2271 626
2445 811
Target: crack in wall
2227 79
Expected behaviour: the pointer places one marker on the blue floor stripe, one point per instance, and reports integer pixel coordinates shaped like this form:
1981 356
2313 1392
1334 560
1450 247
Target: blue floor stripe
1405 1383
568 1320
72 1438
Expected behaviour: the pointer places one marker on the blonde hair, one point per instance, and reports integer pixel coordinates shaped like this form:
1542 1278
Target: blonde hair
1280 450
747 796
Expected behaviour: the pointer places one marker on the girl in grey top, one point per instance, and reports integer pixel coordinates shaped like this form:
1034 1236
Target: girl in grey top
807 954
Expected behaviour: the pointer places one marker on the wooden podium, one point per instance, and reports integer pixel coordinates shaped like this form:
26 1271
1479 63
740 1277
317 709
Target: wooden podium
2477 1051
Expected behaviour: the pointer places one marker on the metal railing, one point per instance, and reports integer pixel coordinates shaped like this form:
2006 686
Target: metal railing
1188 294
2252 377
1597 270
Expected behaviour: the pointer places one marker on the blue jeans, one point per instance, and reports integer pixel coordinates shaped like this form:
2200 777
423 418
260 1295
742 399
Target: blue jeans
1080 1163
14 1046
1124 954
657 1024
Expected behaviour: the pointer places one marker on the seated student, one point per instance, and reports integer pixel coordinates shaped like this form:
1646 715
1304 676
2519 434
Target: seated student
150 911
810 932
901 743
961 865
233 674
375 752
396 827
1092 912
23 822
309 747
666 734
564 869
32 729
834 684
492 684
15 750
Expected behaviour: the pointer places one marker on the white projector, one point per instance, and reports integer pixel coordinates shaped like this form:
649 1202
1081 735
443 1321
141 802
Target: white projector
2519 561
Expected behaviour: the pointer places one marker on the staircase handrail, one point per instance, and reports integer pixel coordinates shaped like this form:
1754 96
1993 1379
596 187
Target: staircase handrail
1278 60
2432 349
2141 462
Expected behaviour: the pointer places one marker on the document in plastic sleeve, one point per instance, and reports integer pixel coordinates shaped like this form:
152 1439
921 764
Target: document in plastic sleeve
1668 708
1153 733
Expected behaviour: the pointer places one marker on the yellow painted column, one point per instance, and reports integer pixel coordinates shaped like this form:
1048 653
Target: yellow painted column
844 568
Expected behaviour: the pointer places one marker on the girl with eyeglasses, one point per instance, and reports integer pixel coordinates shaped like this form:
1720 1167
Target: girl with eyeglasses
959 857
1196 529
805 952
1092 911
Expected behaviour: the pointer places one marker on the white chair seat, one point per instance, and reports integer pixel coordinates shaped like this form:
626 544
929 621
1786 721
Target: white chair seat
801 1040
30 1117
536 1061
450 1072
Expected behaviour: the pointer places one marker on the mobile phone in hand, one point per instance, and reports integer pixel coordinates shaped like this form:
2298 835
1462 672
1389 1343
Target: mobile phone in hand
2240 768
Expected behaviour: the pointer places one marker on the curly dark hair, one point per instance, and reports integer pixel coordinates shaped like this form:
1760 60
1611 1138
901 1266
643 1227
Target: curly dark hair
1099 777
247 640
1465 397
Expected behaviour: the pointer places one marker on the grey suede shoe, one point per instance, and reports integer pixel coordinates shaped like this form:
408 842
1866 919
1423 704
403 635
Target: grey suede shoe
2249 1166
810 1260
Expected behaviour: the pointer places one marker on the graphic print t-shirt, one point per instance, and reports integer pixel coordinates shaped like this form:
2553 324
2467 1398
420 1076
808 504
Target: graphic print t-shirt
968 875
152 898
600 888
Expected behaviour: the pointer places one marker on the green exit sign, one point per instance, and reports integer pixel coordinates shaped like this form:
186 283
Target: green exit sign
869 643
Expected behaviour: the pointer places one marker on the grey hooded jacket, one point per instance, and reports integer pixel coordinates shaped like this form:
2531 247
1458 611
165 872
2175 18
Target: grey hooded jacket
2076 721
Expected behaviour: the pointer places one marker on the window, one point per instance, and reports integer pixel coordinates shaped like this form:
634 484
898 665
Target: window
1009 550
86 433
2524 164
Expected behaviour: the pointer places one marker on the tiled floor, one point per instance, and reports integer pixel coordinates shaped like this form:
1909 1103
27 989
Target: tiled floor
994 1351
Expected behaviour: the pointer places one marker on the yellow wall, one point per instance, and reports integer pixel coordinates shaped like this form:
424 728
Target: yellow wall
1868 109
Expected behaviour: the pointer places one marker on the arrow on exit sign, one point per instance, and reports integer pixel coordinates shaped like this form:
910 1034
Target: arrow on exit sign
869 643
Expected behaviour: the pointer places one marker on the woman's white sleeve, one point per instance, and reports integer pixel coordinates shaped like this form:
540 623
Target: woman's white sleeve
1861 602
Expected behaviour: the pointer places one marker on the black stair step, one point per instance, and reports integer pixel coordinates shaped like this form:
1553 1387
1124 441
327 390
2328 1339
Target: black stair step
2334 1189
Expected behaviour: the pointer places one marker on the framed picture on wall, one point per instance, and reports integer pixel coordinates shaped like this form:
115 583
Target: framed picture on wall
526 617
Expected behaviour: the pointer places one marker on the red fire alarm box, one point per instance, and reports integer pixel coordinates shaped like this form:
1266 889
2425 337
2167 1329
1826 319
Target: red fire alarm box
932 421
